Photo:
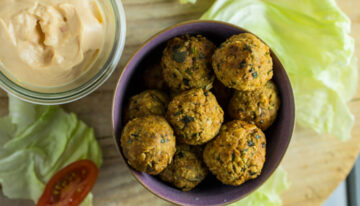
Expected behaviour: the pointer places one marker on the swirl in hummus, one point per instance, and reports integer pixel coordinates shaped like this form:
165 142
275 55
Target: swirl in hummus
49 43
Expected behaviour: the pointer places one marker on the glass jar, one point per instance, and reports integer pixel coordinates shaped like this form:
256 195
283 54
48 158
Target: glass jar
102 68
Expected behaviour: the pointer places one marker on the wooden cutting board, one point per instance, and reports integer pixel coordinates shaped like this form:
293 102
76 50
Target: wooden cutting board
316 164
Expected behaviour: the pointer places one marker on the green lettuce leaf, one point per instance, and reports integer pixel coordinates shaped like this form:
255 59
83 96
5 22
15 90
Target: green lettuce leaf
268 193
187 1
312 40
87 201
36 142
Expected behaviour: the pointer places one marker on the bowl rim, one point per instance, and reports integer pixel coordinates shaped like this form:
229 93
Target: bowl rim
132 171
83 90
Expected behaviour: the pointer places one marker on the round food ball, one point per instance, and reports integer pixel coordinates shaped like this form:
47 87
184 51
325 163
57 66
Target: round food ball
187 168
237 154
148 144
195 116
258 107
148 102
186 63
154 79
243 62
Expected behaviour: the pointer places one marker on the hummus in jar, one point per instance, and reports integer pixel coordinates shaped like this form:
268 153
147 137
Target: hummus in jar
49 43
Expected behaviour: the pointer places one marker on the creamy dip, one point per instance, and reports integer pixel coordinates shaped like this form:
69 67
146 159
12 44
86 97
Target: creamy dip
49 43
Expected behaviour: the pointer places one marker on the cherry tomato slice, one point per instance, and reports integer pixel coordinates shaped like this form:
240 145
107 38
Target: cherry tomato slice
70 185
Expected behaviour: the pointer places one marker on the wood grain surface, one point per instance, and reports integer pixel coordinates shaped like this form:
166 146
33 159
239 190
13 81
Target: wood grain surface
316 164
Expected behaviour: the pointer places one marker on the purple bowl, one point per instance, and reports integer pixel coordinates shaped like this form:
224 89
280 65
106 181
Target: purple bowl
210 191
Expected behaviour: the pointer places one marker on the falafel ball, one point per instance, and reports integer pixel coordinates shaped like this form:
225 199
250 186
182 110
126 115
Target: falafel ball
148 144
186 63
187 168
237 154
195 116
153 78
243 62
258 107
148 102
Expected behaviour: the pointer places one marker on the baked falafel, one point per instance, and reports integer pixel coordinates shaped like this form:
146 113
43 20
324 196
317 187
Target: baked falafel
195 116
243 62
237 154
148 144
186 63
148 102
258 107
187 169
